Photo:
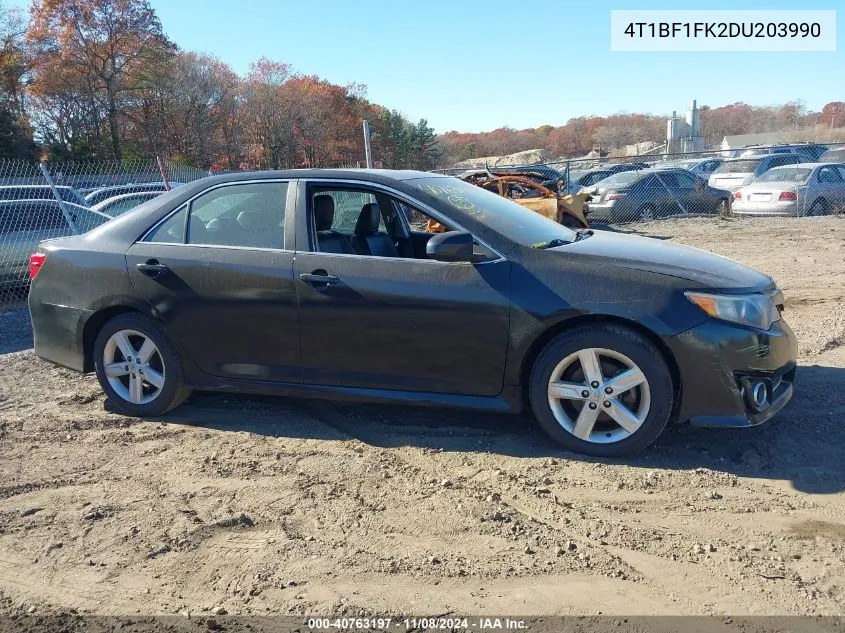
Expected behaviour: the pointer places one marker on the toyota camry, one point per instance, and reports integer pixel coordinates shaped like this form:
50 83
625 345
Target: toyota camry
325 284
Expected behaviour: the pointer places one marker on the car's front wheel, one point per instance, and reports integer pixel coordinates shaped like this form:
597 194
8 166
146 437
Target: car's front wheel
138 367
602 390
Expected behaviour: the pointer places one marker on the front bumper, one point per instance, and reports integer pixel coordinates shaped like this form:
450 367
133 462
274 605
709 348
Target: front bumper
718 363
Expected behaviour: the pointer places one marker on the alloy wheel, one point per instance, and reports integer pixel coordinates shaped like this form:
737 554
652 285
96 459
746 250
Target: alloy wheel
134 366
647 213
599 395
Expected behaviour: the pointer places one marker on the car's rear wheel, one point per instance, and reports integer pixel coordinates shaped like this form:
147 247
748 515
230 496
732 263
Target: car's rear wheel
819 207
647 213
138 367
723 208
602 390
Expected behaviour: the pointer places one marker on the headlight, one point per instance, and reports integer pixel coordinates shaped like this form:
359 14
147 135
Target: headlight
756 310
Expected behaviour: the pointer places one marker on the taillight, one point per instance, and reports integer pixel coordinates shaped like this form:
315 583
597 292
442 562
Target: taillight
738 195
788 195
36 261
615 196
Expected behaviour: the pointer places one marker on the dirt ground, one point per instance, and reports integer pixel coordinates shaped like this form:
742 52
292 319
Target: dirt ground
268 506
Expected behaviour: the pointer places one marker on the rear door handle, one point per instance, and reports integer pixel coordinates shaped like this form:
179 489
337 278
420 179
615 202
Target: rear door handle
319 278
152 268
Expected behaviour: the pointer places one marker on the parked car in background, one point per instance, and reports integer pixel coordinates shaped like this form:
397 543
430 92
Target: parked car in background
833 155
579 180
103 193
41 192
24 223
735 173
699 166
654 193
810 151
119 205
251 282
797 190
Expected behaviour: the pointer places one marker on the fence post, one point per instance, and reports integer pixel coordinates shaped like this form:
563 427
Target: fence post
368 151
68 215
163 171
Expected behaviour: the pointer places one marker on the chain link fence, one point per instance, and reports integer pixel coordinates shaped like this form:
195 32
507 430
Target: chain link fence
782 180
40 201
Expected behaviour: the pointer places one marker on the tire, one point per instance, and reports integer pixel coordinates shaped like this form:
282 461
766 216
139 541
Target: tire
819 207
723 208
164 363
647 213
651 401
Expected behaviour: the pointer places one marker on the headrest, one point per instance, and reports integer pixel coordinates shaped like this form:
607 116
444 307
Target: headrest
222 224
368 220
323 212
251 219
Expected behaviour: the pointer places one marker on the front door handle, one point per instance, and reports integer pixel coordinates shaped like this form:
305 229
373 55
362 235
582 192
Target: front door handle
319 278
152 268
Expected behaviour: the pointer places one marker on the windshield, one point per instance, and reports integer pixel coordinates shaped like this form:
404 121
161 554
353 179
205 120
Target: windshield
501 215
738 166
785 174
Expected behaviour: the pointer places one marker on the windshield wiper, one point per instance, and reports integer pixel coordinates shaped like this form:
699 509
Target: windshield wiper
551 244
580 234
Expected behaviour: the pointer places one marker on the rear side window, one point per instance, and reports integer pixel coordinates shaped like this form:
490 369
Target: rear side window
172 230
250 215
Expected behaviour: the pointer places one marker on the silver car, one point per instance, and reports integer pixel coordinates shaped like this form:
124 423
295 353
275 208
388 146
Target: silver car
24 223
736 173
798 190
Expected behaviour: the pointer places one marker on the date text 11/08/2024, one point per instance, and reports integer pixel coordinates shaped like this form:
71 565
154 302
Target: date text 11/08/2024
417 623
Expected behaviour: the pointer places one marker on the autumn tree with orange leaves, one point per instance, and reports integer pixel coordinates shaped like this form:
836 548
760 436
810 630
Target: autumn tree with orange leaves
99 52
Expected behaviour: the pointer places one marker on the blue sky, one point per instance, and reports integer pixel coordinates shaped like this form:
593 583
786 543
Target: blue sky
475 66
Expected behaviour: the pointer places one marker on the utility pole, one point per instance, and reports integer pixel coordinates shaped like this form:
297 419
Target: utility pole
368 151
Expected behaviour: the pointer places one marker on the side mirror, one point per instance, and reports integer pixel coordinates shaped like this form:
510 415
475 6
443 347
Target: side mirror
452 246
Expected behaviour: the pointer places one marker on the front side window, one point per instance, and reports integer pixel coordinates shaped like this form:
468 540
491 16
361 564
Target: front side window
248 215
829 174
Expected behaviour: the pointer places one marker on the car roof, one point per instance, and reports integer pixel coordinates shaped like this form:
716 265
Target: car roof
375 175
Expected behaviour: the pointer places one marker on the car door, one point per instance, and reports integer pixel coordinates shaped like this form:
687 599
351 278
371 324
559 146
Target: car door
830 186
401 322
218 273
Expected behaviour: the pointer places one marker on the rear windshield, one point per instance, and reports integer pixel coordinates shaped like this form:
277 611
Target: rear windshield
745 166
785 174
622 179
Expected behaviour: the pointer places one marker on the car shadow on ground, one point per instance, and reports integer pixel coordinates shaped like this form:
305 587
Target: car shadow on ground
802 445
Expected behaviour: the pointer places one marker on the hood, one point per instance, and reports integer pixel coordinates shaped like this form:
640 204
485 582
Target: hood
685 262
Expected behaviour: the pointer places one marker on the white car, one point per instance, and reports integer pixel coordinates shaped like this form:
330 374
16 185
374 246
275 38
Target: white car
796 190
736 173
